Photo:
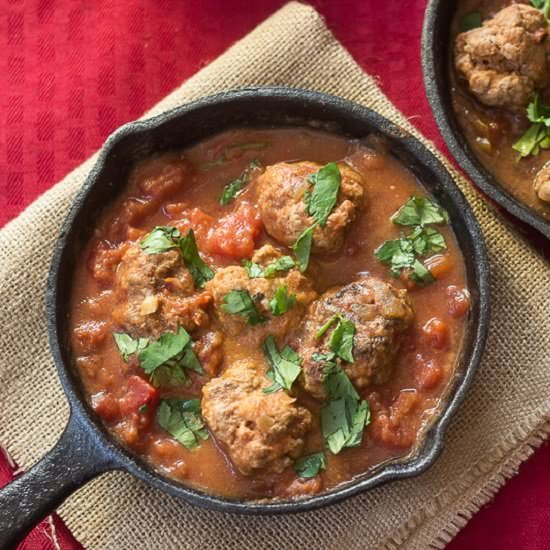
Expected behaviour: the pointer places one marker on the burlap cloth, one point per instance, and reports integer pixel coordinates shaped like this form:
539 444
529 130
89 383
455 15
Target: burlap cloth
504 416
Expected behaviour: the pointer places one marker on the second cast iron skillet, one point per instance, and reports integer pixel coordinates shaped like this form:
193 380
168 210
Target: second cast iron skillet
85 448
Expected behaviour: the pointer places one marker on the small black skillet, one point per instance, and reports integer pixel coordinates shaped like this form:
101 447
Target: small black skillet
436 38
85 448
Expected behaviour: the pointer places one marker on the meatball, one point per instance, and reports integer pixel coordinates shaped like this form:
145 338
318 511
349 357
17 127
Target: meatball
542 183
504 61
281 191
260 431
261 290
156 294
380 312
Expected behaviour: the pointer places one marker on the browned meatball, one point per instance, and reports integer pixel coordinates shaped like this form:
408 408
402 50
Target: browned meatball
281 191
542 183
156 294
380 313
261 290
260 431
504 61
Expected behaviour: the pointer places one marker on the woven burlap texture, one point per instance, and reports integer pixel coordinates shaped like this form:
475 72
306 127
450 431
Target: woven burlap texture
504 416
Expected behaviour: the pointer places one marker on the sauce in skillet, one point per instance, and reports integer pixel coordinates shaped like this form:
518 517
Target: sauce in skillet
182 189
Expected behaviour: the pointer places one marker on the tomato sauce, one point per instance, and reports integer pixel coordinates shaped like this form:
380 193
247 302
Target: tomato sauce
401 408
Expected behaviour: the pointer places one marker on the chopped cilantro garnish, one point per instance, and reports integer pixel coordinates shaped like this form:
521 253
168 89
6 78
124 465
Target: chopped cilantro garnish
182 419
341 339
323 196
282 301
232 189
284 366
161 239
302 248
128 345
254 270
343 417
470 21
309 466
199 270
239 302
537 136
404 252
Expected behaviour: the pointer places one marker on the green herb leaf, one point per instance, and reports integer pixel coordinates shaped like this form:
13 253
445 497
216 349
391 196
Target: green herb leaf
420 211
343 418
302 248
279 265
199 270
165 359
542 5
239 302
182 419
341 341
326 184
284 263
537 136
284 367
232 189
127 345
310 466
420 274
470 21
281 301
161 239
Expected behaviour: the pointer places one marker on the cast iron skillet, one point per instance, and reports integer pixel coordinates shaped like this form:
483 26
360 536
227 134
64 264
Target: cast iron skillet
435 66
86 449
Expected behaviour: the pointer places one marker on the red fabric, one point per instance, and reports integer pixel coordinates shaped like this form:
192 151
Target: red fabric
75 70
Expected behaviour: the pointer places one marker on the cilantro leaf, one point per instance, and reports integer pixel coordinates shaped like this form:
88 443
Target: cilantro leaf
470 21
282 301
239 302
161 239
326 184
343 418
127 345
284 263
232 189
309 466
302 248
420 274
199 270
542 5
420 211
255 271
182 419
341 339
164 359
284 367
537 136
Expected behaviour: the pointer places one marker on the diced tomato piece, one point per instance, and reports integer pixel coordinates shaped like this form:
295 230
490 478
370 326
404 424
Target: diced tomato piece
132 213
235 234
458 301
104 259
106 406
439 265
428 373
139 394
161 179
191 218
436 333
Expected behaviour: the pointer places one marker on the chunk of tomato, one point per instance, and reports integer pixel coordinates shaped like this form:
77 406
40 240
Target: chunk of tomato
436 333
458 301
235 235
140 397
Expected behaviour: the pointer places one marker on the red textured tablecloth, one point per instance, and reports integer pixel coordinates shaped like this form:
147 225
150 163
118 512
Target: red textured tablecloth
74 70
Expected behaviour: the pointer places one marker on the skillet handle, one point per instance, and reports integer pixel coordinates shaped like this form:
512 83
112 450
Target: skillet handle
75 459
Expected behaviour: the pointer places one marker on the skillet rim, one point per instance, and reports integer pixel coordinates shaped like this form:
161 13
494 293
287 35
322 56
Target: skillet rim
437 90
432 444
